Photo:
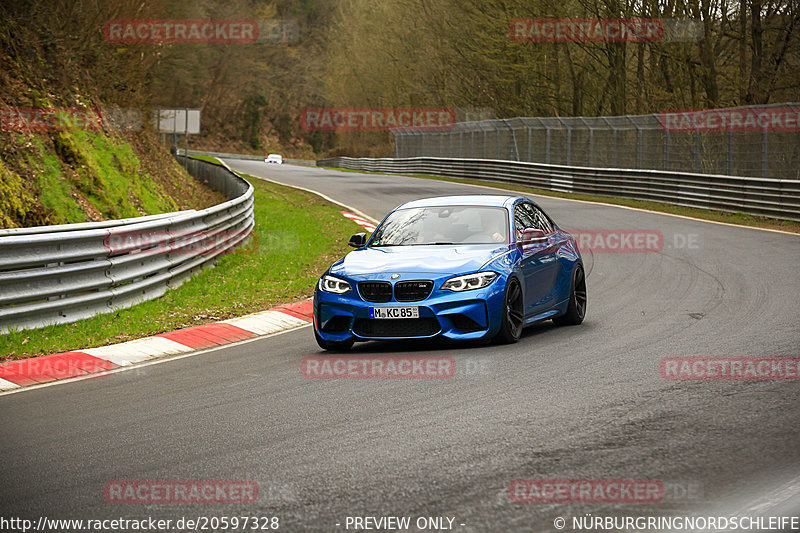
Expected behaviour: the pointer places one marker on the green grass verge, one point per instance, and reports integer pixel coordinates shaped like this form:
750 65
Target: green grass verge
297 235
740 219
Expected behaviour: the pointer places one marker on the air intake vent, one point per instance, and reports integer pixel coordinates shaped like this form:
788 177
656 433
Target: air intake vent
337 324
412 291
404 327
375 291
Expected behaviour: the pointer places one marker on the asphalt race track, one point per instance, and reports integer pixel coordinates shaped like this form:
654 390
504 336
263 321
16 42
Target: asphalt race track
586 402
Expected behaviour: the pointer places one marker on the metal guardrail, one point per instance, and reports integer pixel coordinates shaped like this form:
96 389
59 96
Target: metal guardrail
60 274
774 198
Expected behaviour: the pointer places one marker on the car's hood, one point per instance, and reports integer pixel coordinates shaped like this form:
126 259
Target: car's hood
434 259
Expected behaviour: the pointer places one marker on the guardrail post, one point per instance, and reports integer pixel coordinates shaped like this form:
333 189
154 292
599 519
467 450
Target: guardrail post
530 144
452 142
547 146
614 155
696 150
638 147
729 167
569 146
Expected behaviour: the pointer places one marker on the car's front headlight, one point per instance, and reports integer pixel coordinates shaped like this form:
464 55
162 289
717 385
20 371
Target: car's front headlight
334 285
469 282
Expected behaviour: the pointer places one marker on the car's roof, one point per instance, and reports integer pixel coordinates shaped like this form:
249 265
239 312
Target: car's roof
493 200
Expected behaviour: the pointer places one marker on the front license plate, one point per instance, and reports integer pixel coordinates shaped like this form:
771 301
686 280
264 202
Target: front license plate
394 312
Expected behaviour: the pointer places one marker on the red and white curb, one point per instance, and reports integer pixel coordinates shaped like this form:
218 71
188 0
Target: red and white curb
47 368
361 221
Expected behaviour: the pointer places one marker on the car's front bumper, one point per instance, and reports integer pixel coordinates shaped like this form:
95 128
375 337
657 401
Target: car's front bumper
453 315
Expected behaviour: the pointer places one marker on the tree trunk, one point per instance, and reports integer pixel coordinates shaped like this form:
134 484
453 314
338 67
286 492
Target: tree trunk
754 92
742 50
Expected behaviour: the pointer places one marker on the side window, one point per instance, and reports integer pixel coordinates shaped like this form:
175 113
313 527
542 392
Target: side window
540 220
522 220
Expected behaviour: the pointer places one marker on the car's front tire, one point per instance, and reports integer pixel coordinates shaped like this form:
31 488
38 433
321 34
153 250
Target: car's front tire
333 346
513 314
576 309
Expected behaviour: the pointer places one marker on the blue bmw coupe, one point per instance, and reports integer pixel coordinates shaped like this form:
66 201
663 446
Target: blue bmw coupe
457 267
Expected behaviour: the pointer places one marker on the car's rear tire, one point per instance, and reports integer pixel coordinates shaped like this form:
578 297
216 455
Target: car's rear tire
576 310
333 346
513 314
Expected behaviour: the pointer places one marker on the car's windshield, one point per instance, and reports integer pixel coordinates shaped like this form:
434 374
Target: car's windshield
443 225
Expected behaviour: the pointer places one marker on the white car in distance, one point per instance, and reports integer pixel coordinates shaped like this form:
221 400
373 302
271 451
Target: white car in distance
274 158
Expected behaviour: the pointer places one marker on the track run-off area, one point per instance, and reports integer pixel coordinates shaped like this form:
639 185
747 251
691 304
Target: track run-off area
576 403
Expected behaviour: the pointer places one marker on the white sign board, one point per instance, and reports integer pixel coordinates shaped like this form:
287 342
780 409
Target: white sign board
178 121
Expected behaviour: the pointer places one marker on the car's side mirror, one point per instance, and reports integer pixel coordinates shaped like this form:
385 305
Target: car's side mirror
532 236
358 240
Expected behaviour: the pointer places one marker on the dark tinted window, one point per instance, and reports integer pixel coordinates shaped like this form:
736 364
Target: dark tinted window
540 220
522 220
443 225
